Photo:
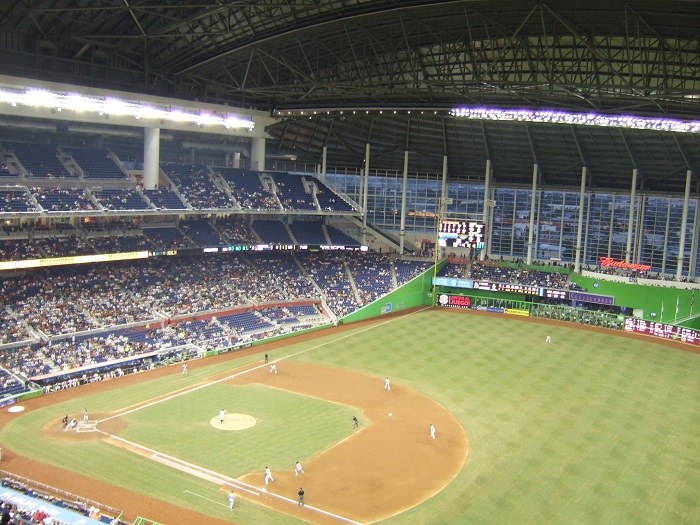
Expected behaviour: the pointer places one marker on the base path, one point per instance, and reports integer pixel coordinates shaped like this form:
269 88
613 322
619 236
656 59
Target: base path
383 468
386 466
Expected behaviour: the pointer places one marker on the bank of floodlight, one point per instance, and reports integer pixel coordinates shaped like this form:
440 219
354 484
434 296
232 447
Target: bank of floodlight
581 119
55 101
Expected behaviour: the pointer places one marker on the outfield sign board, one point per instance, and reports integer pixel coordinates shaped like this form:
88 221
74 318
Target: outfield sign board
663 330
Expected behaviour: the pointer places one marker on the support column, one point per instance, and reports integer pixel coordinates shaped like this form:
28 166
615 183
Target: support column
151 158
630 219
324 158
530 234
404 186
684 223
666 232
443 190
257 154
694 242
612 223
237 159
579 230
364 196
487 211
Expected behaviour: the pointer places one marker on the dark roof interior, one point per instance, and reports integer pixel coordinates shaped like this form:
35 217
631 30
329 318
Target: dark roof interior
611 57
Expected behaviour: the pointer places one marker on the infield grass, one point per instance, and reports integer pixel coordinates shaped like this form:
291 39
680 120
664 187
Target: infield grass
590 429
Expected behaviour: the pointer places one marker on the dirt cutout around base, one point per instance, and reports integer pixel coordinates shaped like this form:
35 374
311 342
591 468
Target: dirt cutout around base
385 467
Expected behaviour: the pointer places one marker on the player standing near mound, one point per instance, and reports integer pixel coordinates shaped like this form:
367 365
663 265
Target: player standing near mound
222 416
268 476
273 368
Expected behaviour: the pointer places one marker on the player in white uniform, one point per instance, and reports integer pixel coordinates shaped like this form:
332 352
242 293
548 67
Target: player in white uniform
184 369
222 416
432 431
387 384
268 476
297 469
273 368
231 500
85 416
548 340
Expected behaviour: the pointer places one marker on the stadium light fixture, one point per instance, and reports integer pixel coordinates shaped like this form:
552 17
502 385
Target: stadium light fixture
56 101
583 119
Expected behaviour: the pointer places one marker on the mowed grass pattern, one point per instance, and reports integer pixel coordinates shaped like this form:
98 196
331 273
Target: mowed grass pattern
181 428
590 429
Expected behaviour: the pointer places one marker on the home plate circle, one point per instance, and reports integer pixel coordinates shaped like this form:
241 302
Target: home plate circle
233 422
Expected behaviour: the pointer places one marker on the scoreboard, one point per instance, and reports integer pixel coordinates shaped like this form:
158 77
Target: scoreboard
461 234
662 330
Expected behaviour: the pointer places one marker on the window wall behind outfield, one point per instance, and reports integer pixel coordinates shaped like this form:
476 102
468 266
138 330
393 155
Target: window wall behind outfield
655 227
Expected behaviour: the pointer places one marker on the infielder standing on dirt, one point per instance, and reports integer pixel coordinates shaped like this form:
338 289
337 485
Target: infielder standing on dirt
268 476
273 368
297 469
387 384
432 431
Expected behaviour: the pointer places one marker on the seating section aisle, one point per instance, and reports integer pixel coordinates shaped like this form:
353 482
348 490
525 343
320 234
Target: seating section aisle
201 232
121 199
372 275
329 200
165 200
13 200
308 232
292 193
247 189
196 187
340 238
328 271
39 160
166 238
63 200
95 163
272 232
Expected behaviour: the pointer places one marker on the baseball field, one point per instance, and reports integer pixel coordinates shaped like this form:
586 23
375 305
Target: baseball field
594 427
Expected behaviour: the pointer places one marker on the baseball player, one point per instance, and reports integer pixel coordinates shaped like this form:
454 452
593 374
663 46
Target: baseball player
231 500
387 384
222 416
273 368
85 416
297 469
184 369
355 422
268 476
548 340
432 431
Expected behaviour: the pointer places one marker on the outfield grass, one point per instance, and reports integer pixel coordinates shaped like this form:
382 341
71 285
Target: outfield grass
593 428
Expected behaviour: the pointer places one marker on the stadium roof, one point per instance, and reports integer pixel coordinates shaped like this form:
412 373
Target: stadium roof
395 69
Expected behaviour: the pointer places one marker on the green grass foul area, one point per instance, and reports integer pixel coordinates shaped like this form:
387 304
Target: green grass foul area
593 428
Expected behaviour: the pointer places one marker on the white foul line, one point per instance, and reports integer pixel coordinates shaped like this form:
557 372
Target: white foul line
195 388
209 475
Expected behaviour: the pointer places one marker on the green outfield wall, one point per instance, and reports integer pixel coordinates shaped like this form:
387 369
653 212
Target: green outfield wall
417 292
650 299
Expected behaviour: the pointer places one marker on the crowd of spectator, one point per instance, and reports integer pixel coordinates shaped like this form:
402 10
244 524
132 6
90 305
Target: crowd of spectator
63 318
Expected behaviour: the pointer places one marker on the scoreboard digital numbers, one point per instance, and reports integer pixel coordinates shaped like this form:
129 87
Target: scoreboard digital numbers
662 330
461 234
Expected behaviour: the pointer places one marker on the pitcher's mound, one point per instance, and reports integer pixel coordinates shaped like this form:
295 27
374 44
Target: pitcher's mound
233 422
